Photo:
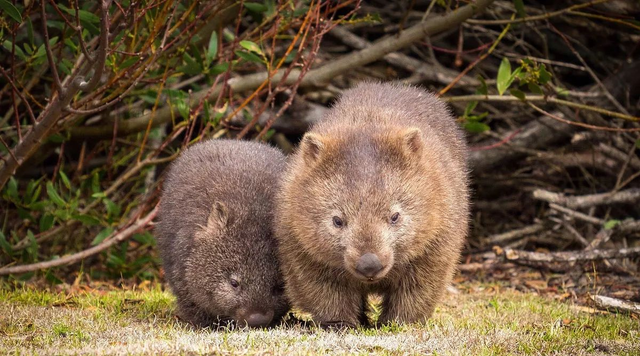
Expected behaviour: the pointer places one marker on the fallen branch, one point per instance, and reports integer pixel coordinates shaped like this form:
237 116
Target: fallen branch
114 238
316 77
608 303
513 234
570 256
577 214
624 196
536 134
423 70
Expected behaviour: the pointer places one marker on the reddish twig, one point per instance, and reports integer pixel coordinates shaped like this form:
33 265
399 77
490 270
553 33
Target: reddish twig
497 144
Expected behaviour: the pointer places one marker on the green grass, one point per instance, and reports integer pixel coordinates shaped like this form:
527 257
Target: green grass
142 322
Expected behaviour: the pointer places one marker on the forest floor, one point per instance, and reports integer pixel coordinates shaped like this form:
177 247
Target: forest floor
475 319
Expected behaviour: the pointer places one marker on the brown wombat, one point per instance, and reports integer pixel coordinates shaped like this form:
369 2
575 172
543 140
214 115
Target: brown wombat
375 200
215 233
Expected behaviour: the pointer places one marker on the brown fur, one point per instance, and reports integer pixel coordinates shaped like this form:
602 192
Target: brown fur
215 225
383 148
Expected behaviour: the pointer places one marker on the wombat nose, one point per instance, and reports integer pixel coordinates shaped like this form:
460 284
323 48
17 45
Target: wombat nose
369 265
256 320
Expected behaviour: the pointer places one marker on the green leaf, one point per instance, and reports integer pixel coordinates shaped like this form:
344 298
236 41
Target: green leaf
517 93
70 44
255 7
112 208
562 91
65 179
32 250
470 107
95 182
56 138
519 8
249 56
10 10
610 224
638 143
477 117
476 127
504 73
83 15
212 50
31 186
145 238
51 278
12 189
35 195
8 46
535 88
191 67
219 68
544 75
483 86
251 47
54 196
128 62
101 236
86 219
5 245
46 222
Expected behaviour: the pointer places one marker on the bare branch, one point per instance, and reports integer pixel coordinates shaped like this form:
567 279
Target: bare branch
570 256
513 234
102 48
624 196
608 303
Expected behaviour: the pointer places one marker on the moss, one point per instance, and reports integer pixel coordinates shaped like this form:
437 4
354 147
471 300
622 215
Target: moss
142 321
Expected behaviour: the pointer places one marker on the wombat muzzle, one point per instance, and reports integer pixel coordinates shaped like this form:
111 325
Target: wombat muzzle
256 320
369 265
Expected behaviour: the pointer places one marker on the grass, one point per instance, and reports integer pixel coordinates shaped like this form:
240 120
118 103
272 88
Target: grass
482 321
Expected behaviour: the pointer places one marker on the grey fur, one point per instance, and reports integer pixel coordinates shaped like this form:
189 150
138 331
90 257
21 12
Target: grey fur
215 223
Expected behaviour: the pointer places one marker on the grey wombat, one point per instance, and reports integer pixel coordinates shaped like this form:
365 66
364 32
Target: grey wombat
375 200
215 233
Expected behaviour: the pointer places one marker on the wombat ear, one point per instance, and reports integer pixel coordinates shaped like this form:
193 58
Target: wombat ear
219 216
412 140
311 147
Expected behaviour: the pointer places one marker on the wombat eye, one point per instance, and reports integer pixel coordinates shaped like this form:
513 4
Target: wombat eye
337 222
395 217
234 283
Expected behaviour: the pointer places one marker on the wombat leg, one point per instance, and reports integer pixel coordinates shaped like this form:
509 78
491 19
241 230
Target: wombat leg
364 320
326 302
407 305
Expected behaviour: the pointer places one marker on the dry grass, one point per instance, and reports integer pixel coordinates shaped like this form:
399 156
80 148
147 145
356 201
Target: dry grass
486 320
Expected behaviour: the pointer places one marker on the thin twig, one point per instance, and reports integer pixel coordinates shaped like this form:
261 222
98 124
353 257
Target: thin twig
54 69
15 89
539 98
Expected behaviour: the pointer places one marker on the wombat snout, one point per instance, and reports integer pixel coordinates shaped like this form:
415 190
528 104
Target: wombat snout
255 319
369 265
